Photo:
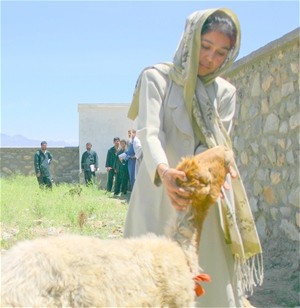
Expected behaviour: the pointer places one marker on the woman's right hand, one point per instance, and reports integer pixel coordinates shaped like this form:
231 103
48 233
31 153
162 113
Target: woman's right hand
179 197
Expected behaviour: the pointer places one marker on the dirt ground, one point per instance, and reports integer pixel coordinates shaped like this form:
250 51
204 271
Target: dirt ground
281 285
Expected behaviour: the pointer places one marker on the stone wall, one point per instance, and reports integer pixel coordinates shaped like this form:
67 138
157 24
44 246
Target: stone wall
64 167
266 142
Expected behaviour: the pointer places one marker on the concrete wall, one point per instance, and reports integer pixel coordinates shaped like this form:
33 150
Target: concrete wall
99 124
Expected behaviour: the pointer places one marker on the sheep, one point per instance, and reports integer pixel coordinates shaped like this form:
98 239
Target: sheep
147 271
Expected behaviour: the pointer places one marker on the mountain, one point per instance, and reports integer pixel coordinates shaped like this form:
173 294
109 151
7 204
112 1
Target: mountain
20 141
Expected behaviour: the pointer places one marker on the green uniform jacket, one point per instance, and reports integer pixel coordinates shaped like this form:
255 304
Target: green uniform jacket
89 158
111 158
42 162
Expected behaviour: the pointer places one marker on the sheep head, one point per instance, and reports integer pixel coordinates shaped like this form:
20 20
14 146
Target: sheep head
206 173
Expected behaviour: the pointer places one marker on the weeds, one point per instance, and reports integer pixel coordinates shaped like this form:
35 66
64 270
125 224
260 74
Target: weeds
28 212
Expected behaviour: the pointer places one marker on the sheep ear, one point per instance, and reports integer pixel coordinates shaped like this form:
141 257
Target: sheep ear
228 157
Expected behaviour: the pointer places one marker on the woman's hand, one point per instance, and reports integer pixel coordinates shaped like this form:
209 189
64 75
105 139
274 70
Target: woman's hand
179 197
233 174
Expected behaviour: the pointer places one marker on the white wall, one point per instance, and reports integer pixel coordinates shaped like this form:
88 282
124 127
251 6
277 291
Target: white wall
99 124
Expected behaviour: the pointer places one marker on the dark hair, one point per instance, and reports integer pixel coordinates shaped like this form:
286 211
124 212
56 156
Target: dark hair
116 139
220 21
43 142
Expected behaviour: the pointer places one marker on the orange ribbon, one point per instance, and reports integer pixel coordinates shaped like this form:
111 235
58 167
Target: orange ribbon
198 288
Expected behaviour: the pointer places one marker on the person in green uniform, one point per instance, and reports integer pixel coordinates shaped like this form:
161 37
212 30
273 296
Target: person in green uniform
110 163
121 169
42 161
89 164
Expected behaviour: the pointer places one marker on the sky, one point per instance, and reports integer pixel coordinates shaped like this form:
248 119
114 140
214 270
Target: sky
58 54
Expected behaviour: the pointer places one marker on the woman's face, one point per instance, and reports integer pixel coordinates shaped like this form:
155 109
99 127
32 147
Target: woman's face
214 50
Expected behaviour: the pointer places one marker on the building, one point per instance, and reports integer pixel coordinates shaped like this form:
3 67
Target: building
99 124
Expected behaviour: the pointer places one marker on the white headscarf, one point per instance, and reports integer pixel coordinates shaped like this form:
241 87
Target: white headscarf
184 70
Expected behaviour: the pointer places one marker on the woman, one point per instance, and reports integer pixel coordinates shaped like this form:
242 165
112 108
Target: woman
184 108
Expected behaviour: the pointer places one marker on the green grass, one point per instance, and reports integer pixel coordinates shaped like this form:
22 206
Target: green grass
28 212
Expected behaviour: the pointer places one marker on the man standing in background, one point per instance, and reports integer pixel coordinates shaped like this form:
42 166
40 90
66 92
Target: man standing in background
121 169
138 152
129 140
130 158
89 165
42 160
110 163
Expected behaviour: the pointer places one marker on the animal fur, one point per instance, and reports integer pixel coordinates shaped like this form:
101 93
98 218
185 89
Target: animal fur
205 174
149 271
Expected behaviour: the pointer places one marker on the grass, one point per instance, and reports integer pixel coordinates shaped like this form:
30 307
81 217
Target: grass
28 212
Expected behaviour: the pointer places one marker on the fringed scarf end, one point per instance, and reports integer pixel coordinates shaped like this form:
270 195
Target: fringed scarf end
249 272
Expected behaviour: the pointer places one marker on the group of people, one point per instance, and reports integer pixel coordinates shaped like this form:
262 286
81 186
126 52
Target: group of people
43 158
122 163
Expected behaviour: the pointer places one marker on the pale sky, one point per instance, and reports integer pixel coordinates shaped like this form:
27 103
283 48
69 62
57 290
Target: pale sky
58 54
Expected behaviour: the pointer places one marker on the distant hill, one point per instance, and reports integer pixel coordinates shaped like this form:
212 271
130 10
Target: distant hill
21 141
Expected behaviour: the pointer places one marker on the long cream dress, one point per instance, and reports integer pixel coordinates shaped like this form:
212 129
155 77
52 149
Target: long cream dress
149 206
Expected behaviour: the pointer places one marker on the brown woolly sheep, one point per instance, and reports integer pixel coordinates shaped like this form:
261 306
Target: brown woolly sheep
149 271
